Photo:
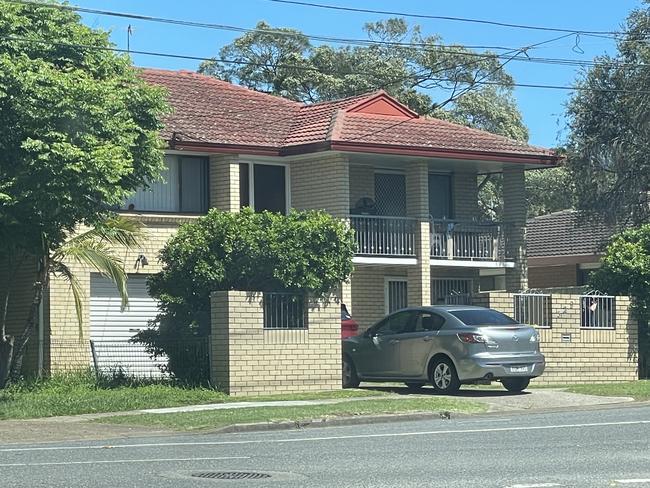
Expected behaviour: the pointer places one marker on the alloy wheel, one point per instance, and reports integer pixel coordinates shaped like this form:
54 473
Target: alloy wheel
442 376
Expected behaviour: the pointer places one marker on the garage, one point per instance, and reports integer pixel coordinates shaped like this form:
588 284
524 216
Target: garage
111 328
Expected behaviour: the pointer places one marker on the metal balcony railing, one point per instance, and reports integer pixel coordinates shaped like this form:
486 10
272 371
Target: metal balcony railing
467 240
384 236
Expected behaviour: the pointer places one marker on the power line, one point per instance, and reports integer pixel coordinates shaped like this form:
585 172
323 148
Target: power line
441 48
441 17
310 68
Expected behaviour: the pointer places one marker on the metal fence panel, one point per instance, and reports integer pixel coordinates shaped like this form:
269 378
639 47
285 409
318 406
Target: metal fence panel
597 312
384 236
284 311
532 309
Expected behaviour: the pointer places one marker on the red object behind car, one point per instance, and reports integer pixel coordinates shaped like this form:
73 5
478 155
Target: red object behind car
349 327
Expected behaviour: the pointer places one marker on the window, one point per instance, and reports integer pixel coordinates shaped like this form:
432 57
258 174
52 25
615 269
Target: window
428 322
440 196
396 294
451 291
597 312
263 187
482 318
390 194
184 188
395 324
284 311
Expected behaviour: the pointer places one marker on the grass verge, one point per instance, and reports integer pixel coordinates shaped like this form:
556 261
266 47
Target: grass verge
214 419
80 393
639 390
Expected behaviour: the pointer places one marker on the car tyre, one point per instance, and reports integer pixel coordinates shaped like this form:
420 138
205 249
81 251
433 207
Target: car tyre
350 378
444 377
515 384
414 385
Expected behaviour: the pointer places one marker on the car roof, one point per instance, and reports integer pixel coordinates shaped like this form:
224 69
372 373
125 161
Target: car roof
443 308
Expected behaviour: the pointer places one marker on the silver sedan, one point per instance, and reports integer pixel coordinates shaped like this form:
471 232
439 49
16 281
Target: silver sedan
446 346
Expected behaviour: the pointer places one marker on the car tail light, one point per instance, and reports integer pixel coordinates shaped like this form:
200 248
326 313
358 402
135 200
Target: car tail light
471 338
349 325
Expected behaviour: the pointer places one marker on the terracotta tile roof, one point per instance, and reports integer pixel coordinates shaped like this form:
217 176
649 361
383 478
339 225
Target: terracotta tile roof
565 233
212 111
217 113
427 133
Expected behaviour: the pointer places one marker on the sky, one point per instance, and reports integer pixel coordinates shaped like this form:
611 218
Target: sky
542 109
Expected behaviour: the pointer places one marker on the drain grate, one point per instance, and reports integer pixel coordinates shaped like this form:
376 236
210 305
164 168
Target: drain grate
231 475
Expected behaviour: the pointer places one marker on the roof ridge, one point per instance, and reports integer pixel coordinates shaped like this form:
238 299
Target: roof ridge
340 100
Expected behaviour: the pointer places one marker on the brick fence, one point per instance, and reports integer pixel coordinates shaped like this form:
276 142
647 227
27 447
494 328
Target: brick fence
576 354
248 359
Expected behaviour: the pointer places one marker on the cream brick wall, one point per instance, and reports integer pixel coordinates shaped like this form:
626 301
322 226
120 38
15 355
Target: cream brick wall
321 183
69 342
368 286
249 360
593 355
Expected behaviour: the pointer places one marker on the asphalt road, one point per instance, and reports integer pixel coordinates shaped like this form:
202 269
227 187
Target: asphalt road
592 448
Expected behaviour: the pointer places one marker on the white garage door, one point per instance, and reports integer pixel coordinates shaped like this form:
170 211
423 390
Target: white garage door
111 328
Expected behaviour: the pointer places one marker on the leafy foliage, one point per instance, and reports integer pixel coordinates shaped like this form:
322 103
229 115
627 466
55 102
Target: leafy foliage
610 130
83 127
303 252
625 268
428 76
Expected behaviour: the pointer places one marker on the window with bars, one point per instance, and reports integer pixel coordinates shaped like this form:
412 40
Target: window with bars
451 291
390 194
396 294
597 312
284 311
532 309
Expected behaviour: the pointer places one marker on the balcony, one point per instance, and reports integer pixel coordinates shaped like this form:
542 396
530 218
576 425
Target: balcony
467 240
384 236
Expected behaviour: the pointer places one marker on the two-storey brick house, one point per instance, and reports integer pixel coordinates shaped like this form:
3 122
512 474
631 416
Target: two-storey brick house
406 184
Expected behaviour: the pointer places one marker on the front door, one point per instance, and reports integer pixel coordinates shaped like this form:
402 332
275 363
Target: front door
379 350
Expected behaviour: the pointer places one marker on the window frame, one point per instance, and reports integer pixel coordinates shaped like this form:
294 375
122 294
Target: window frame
390 172
251 183
387 280
452 200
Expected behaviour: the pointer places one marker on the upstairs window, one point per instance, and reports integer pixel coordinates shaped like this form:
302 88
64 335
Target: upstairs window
390 194
263 187
183 189
440 199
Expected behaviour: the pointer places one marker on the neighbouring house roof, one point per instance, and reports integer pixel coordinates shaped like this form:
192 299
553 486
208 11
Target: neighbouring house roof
565 233
211 113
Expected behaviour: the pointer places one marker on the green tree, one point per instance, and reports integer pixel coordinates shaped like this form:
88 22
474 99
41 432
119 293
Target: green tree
79 132
303 252
428 76
608 118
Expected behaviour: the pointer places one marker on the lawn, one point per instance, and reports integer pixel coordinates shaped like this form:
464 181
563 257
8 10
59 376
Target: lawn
639 390
81 393
215 419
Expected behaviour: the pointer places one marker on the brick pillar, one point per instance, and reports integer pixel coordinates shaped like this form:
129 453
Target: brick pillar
346 294
417 206
220 341
514 216
224 182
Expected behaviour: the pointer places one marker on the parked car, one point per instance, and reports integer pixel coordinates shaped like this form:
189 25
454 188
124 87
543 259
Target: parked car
446 346
349 327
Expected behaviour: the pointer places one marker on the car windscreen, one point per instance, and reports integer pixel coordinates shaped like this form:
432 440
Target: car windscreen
482 318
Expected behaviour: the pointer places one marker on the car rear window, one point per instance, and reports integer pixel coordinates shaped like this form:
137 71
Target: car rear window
482 318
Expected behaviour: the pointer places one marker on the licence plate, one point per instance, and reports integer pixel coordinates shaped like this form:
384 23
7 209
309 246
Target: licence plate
519 369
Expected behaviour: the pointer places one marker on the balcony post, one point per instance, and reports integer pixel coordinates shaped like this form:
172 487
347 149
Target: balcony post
514 216
417 206
224 182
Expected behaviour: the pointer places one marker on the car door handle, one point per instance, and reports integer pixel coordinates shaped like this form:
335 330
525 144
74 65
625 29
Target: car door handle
427 338
393 341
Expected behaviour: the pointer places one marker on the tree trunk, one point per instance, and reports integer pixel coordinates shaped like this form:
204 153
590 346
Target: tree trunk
21 342
6 353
